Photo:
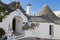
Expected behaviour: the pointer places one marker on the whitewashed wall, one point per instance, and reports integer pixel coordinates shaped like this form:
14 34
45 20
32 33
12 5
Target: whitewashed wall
56 31
8 20
43 31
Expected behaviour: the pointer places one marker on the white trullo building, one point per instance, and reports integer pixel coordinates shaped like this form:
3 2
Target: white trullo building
44 25
57 13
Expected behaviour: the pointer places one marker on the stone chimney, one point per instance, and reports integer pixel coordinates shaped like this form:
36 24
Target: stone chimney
18 5
28 9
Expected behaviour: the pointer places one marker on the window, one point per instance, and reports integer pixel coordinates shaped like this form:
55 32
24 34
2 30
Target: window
50 29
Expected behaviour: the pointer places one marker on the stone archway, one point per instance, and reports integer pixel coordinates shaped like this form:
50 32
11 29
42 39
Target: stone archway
17 25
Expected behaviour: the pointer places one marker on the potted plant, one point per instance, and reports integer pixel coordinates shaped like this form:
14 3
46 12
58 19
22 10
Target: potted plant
2 32
26 26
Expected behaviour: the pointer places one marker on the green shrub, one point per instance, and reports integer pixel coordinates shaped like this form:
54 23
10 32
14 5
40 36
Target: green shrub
2 32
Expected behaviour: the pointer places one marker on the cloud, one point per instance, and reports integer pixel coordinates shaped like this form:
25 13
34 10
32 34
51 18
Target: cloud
6 1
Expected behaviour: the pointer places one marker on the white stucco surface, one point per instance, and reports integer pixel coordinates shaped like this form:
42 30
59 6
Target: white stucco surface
9 18
43 31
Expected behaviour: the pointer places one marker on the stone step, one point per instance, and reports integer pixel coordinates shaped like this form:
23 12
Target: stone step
19 36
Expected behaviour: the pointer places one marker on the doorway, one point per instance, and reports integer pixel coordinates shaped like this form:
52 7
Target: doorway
13 24
17 26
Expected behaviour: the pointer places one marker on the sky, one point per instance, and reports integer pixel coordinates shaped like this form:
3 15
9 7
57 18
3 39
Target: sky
36 5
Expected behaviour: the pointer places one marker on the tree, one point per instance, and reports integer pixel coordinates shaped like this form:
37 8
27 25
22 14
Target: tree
3 12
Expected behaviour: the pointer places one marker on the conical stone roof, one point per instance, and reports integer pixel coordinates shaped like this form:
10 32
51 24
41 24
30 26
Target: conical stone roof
47 12
4 5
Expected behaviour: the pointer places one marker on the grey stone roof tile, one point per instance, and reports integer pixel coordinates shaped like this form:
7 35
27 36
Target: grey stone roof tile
48 14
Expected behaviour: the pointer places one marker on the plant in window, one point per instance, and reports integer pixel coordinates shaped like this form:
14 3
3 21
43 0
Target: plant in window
23 22
26 26
34 25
